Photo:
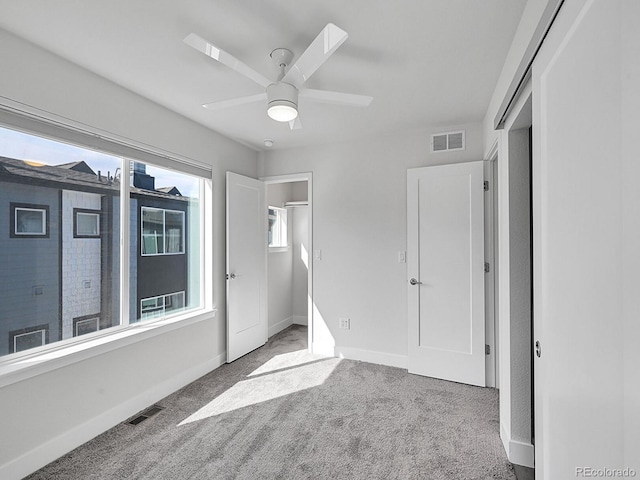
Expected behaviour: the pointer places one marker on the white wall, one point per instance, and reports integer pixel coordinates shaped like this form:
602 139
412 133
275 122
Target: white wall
630 78
301 257
359 225
299 192
84 398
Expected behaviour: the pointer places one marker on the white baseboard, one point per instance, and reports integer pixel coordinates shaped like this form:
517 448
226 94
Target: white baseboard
520 453
281 325
371 356
322 349
49 451
300 320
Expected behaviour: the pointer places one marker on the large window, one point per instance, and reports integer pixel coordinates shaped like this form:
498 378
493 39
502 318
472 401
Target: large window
70 218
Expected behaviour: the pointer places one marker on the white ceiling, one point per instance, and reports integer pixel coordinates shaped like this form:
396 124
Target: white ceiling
425 62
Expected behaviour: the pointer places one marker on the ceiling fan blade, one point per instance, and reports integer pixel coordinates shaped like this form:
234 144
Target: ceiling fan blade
295 124
234 102
337 98
327 42
225 58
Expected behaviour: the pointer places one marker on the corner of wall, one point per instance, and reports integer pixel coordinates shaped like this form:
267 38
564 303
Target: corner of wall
260 162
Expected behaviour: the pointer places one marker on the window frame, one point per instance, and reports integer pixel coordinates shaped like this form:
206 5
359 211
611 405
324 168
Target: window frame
14 334
86 211
281 226
164 305
13 215
85 318
164 231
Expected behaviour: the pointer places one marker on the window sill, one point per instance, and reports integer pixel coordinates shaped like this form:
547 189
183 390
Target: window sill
20 369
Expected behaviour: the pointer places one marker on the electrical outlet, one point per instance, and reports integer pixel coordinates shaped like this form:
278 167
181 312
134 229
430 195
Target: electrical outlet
344 323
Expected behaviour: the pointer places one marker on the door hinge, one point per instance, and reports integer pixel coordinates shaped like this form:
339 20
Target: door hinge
487 267
486 186
487 349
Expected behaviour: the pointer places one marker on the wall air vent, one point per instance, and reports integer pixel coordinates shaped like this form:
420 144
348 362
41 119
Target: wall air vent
448 141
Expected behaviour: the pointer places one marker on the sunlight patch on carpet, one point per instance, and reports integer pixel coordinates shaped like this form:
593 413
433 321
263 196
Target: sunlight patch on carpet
287 360
268 387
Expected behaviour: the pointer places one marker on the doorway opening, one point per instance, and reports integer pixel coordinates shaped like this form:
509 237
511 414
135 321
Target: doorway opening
520 284
289 262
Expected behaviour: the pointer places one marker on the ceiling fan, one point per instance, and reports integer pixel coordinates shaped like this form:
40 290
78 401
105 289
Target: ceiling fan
282 95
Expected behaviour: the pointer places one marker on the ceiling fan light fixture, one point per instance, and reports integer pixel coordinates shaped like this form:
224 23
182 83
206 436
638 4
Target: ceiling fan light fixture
282 111
282 103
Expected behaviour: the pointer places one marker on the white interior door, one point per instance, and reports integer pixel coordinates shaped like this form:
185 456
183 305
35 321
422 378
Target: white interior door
445 210
577 233
246 265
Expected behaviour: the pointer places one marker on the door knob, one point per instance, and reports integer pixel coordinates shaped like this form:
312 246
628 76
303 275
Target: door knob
413 281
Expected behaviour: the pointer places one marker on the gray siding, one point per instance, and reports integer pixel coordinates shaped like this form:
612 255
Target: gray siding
26 263
158 274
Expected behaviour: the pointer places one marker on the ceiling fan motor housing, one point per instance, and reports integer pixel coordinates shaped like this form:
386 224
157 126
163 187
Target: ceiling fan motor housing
282 101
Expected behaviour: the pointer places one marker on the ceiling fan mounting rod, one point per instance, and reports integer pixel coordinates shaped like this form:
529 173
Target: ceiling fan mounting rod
282 58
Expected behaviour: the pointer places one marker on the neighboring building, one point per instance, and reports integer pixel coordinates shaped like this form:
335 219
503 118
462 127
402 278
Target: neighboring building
60 249
159 216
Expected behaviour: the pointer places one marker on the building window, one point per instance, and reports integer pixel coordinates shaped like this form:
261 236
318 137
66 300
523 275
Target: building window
277 227
162 305
162 231
84 325
86 223
29 220
131 207
27 338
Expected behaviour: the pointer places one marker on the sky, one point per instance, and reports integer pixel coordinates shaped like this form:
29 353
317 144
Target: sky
23 146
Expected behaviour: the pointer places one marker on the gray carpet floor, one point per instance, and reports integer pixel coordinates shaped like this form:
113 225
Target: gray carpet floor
281 413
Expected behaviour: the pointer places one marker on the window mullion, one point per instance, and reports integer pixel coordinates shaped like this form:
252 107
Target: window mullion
125 237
